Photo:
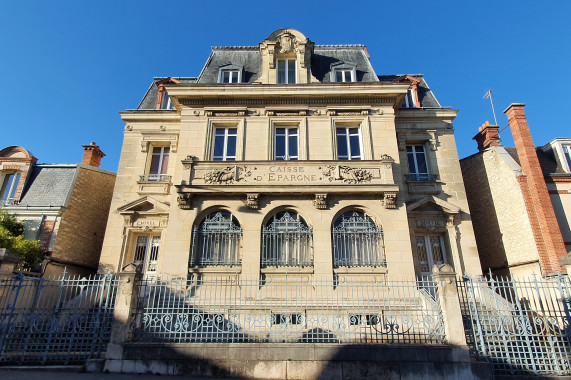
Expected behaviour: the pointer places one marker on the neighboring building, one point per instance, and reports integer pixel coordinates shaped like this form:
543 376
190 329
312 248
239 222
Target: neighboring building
520 199
290 157
64 206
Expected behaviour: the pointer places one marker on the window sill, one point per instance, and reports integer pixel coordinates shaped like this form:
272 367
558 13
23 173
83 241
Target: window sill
216 269
360 270
287 270
146 186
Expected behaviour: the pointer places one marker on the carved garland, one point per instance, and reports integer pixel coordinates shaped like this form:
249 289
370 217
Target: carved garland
227 175
347 174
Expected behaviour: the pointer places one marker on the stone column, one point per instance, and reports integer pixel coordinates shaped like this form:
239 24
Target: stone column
449 302
453 238
125 303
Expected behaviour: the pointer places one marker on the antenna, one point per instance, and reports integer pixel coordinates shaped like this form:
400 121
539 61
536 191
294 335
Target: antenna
489 95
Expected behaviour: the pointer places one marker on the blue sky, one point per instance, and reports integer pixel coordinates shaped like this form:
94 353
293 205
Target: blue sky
69 67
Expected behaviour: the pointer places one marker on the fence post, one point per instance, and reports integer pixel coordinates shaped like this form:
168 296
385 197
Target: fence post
447 294
125 303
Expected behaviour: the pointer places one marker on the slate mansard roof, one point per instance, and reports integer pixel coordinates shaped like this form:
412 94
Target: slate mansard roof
323 59
49 185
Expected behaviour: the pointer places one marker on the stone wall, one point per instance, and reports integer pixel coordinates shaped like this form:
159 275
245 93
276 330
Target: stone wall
82 225
501 223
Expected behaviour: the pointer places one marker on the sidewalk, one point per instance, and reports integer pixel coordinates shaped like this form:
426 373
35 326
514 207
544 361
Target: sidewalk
72 373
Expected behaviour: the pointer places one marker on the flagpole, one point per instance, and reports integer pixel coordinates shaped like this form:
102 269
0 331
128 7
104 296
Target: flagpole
489 95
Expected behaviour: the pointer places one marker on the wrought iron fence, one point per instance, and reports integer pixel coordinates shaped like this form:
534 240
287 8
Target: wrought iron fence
63 320
282 309
520 326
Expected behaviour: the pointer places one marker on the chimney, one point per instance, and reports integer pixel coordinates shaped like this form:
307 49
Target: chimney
92 155
487 136
538 202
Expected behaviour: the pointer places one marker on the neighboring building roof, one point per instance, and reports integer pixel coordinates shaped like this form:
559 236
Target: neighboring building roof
549 164
48 185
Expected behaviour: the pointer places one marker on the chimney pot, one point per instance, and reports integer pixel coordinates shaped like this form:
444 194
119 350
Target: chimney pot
488 135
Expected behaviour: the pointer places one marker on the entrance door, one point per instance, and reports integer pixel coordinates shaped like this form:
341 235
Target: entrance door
430 251
147 253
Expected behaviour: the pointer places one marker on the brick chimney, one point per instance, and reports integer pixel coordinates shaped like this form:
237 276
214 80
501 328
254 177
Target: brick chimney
487 136
538 203
92 155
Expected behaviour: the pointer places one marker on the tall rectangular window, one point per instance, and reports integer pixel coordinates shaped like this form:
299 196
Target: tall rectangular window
9 187
147 252
159 163
417 165
349 145
225 144
286 144
287 71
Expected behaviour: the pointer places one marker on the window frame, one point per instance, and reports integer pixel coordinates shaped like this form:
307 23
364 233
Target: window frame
417 175
162 167
283 230
353 230
233 72
286 149
149 266
9 188
343 71
287 63
166 103
566 148
225 137
350 156
224 239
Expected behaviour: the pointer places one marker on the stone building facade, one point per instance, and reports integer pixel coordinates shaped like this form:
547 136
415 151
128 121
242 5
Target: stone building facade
289 158
520 198
64 206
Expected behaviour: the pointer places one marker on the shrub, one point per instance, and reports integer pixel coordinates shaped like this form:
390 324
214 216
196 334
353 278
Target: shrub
29 251
9 222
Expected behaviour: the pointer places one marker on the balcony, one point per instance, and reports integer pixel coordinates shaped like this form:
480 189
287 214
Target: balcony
154 184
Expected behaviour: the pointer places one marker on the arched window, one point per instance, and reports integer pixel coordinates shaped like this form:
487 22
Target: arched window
286 241
357 241
216 241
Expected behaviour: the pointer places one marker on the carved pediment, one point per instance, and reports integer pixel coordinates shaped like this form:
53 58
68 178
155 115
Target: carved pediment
432 204
146 205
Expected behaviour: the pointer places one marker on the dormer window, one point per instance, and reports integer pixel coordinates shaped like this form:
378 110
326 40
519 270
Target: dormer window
409 99
166 103
230 74
343 72
567 154
287 71
344 75
9 186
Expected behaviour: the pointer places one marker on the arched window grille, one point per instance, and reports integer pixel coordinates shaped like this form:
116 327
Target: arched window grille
357 241
216 241
286 241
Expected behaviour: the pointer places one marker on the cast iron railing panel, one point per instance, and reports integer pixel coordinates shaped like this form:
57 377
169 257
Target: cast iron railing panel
285 309
519 326
64 320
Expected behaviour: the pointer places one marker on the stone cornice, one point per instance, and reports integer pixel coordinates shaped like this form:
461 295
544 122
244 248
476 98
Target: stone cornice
260 94
434 114
149 115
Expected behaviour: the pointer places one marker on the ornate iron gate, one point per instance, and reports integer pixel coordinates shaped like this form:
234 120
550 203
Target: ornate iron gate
520 326
55 321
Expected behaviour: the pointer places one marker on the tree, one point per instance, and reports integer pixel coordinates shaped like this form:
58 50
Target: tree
12 238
